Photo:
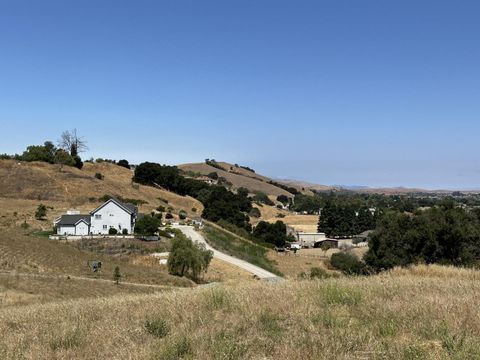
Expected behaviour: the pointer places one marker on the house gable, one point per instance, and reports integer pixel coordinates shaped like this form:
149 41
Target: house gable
116 202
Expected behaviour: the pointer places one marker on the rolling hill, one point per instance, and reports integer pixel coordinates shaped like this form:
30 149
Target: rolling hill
23 185
241 177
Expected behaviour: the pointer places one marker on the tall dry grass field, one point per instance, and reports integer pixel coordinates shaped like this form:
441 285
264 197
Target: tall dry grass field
422 313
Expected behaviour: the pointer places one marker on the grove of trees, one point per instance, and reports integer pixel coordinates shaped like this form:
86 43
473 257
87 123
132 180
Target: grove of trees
219 203
445 234
337 220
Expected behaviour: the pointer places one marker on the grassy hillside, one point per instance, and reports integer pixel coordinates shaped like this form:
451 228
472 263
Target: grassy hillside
238 177
26 253
421 313
24 185
239 247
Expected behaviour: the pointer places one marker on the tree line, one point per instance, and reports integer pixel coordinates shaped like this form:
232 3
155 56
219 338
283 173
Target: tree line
445 234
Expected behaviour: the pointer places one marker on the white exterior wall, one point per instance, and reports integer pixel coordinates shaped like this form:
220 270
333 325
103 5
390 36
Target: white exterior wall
66 230
81 229
111 215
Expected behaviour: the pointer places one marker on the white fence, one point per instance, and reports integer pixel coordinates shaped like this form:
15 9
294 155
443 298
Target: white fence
80 237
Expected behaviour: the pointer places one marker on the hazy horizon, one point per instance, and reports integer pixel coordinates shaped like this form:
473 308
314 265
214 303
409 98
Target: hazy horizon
372 93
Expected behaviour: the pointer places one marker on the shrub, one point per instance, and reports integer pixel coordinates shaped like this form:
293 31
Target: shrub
24 225
125 232
182 214
161 208
99 176
168 216
178 349
117 275
348 264
283 199
213 176
123 163
318 273
112 231
263 198
157 327
41 212
194 210
255 212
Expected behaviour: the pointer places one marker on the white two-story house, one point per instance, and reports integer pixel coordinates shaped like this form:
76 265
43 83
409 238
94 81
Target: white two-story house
111 214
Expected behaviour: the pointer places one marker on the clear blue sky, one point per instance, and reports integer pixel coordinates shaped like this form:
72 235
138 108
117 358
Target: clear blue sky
379 93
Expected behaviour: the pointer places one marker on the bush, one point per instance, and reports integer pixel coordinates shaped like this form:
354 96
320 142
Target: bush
213 176
117 275
263 198
125 232
283 199
348 264
99 176
168 216
113 231
318 273
157 327
161 208
182 214
255 212
123 163
194 210
41 212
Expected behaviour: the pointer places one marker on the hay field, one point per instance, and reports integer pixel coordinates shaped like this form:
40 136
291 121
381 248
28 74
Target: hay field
419 313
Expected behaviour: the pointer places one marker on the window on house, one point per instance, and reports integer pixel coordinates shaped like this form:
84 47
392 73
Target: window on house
104 227
120 226
98 216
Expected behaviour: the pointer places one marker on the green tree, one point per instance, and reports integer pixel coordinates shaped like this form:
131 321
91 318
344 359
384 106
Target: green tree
187 258
123 163
444 234
41 212
63 158
275 234
45 152
147 225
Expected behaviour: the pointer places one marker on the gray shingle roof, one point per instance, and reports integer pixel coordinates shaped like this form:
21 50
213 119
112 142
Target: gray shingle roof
66 220
130 208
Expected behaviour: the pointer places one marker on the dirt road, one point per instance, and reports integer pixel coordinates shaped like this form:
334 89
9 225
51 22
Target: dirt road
263 274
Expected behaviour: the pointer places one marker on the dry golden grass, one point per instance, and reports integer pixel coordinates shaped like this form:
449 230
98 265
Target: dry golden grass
239 178
37 182
293 265
418 313
303 223
24 253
